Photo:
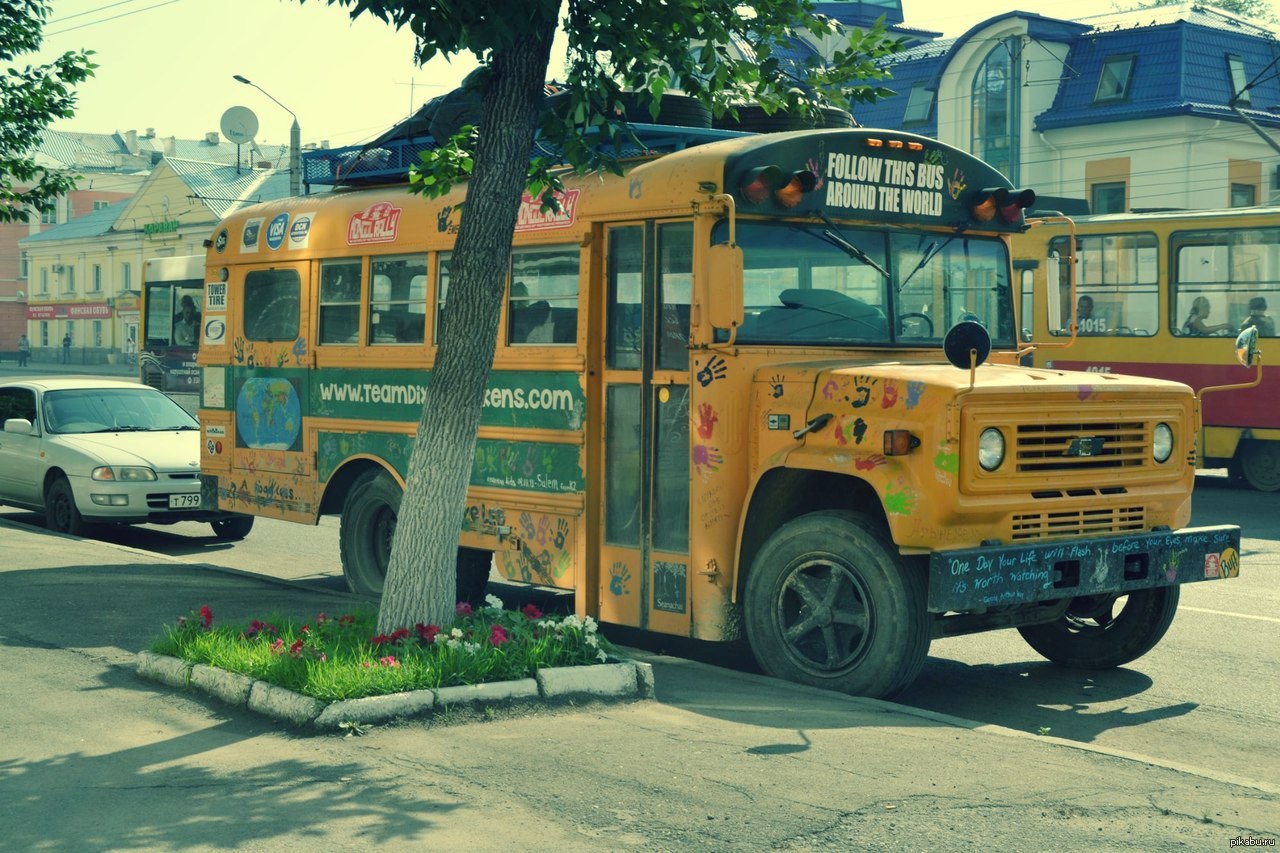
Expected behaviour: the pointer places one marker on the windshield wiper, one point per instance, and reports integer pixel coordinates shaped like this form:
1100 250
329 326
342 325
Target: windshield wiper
835 238
928 255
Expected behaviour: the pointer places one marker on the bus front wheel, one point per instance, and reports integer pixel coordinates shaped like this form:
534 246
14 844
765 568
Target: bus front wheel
1260 464
364 535
1106 631
830 603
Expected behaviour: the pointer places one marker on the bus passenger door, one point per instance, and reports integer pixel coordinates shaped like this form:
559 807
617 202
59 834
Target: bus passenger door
644 559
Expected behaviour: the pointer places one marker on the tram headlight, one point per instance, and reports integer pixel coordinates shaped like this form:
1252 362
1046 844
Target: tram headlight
990 449
1162 442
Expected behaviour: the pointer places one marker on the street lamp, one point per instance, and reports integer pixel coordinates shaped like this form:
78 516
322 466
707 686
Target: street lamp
295 139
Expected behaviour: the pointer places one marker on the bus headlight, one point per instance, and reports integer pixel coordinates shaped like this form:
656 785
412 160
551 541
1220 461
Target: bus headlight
990 449
1162 442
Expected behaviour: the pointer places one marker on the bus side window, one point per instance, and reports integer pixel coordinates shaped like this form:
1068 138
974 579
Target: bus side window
398 300
339 302
543 299
272 305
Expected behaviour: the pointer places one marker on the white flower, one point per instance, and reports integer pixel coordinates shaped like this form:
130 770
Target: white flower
589 624
493 601
592 641
601 656
571 621
456 633
440 638
453 644
471 647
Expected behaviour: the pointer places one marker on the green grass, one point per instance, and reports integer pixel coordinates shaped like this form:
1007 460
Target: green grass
345 657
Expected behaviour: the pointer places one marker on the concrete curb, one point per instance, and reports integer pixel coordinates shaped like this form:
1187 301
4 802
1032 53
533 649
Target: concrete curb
620 680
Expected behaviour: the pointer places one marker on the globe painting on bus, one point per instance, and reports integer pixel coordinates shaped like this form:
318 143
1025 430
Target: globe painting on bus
268 415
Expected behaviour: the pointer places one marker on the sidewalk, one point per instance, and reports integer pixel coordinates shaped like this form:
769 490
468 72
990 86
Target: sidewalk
9 367
94 757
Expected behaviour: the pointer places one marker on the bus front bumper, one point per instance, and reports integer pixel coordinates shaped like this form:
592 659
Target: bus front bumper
1002 575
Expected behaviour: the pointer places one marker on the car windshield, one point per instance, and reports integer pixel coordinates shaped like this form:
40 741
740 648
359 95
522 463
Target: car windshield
86 410
827 284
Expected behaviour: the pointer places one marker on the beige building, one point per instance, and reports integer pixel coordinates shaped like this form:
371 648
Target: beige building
85 275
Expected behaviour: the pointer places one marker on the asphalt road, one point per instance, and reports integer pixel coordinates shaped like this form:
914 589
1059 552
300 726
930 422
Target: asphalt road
1205 698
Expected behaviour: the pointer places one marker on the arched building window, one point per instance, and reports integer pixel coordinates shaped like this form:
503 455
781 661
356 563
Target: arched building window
994 129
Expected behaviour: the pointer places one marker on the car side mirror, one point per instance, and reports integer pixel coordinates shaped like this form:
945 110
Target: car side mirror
1247 346
18 426
727 265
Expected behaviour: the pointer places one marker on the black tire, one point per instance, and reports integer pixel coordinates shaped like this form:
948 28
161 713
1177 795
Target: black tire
366 531
829 602
60 512
1260 464
474 566
368 525
1092 635
232 529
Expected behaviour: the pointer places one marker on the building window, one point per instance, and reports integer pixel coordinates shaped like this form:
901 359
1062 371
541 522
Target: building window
97 277
50 217
126 276
995 120
44 333
1244 195
1117 75
919 104
69 284
24 265
97 333
1107 198
1235 65
98 204
44 279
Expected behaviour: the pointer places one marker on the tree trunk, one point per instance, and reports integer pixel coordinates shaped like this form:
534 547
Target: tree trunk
421 585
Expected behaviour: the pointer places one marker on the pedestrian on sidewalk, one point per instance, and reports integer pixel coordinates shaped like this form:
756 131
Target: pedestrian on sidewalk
66 348
24 350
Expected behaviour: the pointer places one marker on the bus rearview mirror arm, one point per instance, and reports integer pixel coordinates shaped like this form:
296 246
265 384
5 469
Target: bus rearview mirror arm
726 264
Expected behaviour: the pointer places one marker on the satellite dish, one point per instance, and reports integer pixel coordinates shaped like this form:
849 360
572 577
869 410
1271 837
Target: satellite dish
239 125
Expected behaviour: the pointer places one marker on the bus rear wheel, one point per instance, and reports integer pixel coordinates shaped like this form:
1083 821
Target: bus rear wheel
829 603
364 535
367 529
1260 464
1106 631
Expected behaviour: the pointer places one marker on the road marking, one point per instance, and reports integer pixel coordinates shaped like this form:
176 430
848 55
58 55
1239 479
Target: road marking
1228 613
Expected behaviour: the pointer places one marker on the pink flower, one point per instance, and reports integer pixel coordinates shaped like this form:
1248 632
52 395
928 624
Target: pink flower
463 608
367 665
207 615
380 640
399 634
498 635
346 621
295 650
321 619
531 611
389 660
427 633
277 647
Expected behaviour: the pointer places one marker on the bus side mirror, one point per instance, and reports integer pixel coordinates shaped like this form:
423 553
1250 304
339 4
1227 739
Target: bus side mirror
1247 346
726 266
1052 297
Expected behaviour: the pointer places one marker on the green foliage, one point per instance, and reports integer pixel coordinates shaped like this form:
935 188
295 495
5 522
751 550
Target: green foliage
30 98
616 46
346 657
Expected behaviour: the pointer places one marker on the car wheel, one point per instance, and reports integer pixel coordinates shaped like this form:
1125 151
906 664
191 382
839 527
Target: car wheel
60 512
232 529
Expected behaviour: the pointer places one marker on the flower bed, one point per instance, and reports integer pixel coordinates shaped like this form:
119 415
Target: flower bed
332 659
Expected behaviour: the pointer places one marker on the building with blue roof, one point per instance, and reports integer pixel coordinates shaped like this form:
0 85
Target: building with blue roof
1173 107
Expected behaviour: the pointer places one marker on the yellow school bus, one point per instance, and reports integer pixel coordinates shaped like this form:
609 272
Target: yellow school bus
765 385
1158 288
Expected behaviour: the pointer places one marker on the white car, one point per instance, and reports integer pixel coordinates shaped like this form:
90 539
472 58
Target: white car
85 451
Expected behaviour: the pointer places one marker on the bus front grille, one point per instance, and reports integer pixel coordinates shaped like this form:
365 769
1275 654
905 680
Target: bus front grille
1081 446
1078 522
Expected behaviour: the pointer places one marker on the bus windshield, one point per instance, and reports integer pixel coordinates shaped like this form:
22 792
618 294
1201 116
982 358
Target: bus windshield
822 284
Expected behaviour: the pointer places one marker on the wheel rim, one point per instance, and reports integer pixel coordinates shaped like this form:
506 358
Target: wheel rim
1261 465
60 511
382 529
1095 614
824 616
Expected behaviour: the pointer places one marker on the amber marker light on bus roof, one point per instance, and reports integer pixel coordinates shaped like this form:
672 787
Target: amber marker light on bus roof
895 143
915 146
899 442
875 143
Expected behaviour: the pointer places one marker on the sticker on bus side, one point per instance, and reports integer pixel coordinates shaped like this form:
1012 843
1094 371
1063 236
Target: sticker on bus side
531 216
377 223
215 297
276 231
300 231
249 237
